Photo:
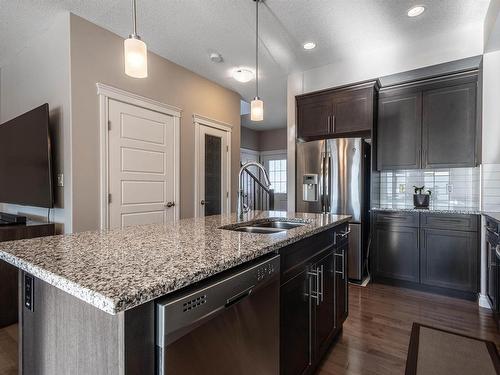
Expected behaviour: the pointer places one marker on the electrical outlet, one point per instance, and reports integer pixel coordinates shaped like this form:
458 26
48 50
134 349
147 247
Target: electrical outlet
402 188
449 188
28 292
60 180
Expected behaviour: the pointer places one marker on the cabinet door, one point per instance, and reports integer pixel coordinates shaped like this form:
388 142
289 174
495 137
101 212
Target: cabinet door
314 117
341 286
353 111
449 259
449 127
492 276
399 131
324 311
396 253
295 325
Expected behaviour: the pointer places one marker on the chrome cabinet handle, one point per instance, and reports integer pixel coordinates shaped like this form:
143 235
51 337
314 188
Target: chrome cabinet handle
342 256
314 294
344 234
333 123
203 202
322 282
170 204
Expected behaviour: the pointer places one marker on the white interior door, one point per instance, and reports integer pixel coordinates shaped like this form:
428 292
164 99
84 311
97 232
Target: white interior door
276 166
142 180
213 171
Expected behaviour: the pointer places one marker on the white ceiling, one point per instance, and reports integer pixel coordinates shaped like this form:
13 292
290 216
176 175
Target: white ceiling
186 31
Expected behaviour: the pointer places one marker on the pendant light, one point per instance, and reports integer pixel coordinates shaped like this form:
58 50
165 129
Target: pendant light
257 105
136 51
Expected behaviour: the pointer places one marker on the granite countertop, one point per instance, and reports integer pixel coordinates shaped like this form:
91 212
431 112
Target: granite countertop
437 210
494 215
116 270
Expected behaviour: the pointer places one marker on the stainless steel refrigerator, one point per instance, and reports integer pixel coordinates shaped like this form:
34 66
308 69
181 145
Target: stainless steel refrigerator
333 176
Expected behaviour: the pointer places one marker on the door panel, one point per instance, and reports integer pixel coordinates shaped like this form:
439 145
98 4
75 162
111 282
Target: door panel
449 259
449 127
341 285
313 117
141 166
399 131
353 111
213 171
397 253
295 325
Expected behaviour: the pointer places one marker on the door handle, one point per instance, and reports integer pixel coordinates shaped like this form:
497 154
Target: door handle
170 204
333 123
314 294
320 270
203 202
341 256
344 234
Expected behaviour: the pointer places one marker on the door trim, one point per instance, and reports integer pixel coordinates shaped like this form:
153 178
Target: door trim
106 93
199 121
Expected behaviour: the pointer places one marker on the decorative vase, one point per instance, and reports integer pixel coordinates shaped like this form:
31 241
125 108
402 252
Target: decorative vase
421 200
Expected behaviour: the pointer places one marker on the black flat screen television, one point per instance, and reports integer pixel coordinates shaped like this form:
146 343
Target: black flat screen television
25 160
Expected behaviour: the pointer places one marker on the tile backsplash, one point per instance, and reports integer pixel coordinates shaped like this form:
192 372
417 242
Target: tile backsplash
491 187
456 188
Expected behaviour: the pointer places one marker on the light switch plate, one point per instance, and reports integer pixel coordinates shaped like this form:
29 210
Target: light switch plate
402 188
60 180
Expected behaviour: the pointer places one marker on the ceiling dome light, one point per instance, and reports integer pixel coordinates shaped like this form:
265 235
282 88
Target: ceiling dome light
309 45
416 11
243 75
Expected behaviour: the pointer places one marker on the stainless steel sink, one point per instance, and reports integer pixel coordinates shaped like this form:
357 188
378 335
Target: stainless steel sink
264 227
279 224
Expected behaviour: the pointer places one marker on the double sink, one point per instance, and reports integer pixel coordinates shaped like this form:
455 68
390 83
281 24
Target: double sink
268 226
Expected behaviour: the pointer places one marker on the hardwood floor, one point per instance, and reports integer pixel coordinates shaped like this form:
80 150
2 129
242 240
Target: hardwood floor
8 350
377 332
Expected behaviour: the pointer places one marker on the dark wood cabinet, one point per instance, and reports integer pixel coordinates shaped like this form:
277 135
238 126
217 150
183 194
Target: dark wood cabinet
437 252
341 285
432 123
399 130
448 259
397 253
295 323
314 116
9 274
338 112
314 298
449 127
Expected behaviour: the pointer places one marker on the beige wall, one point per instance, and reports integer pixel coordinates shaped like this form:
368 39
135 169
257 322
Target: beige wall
97 56
40 74
264 140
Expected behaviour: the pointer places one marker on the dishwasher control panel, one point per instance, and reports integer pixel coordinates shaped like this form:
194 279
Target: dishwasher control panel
268 269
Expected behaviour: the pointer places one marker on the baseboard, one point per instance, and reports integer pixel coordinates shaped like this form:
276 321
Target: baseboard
483 301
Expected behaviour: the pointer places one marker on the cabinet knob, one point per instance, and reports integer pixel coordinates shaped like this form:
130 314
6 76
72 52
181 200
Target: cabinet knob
170 204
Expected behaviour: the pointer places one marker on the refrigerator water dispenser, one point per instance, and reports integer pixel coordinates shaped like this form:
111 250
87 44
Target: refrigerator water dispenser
310 189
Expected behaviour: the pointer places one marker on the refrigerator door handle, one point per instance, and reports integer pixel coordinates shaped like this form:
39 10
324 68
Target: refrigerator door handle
324 186
328 182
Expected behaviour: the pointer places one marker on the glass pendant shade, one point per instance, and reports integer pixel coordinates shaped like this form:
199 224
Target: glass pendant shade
136 57
257 110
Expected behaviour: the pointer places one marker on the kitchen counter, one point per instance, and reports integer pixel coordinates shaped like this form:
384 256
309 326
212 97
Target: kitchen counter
494 215
117 270
464 211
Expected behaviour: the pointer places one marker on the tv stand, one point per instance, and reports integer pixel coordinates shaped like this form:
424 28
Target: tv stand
12 219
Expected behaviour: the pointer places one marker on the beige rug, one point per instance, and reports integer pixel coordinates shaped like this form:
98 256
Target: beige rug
434 351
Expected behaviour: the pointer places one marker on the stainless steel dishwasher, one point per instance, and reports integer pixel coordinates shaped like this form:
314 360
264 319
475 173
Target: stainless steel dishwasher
229 326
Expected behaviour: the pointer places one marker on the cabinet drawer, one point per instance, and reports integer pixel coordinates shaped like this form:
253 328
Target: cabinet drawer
458 222
294 256
397 218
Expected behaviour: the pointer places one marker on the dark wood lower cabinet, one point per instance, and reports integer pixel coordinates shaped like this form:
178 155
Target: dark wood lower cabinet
313 301
295 323
397 252
448 259
437 253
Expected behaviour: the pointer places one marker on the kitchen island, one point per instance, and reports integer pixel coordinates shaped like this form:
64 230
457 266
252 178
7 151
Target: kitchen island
88 299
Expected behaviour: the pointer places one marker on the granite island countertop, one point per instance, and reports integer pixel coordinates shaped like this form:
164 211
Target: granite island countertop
119 269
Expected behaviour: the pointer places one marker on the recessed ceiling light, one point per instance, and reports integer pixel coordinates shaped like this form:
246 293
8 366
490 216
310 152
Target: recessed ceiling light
416 11
243 75
309 45
216 57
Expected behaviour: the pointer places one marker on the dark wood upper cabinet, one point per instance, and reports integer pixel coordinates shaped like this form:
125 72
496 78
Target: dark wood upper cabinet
429 124
399 130
338 112
314 117
449 127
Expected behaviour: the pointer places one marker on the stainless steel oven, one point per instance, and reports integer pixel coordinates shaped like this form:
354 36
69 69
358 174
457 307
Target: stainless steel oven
227 326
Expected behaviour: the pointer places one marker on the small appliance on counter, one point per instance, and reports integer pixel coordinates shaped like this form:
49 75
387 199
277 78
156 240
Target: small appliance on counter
333 176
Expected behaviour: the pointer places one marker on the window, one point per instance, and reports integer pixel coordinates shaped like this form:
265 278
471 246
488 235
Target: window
277 175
